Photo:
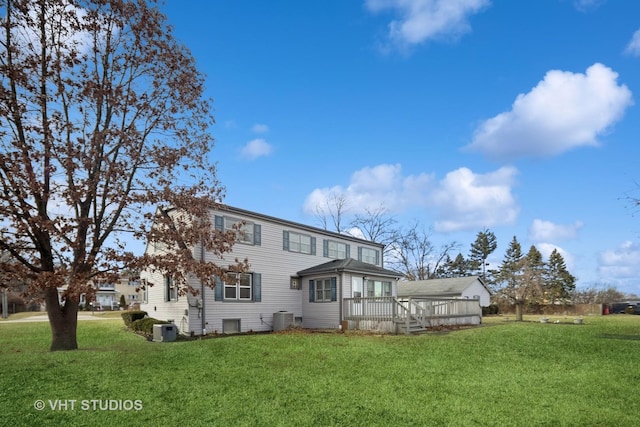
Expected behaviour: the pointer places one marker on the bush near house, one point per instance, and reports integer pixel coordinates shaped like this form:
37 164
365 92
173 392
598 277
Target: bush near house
131 316
145 326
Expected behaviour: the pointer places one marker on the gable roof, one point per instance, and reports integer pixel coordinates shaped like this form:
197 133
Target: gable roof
437 287
348 265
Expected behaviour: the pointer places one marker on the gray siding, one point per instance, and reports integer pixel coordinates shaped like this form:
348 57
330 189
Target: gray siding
276 267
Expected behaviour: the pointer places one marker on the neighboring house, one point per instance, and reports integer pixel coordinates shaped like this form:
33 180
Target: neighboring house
297 273
105 298
470 287
127 286
107 294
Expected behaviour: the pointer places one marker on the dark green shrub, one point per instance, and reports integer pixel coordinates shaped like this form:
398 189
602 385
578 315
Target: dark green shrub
492 309
131 316
123 301
145 325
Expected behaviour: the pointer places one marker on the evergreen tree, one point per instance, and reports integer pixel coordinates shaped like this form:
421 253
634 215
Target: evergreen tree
484 245
535 270
510 276
560 284
457 267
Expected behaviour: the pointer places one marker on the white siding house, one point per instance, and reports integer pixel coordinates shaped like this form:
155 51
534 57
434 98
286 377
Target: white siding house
294 268
471 287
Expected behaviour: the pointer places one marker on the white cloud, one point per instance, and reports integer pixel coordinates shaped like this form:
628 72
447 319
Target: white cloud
587 5
564 111
462 200
547 231
620 263
256 148
372 187
633 48
260 128
426 19
466 200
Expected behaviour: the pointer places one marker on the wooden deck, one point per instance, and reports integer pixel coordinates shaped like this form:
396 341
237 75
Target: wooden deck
408 315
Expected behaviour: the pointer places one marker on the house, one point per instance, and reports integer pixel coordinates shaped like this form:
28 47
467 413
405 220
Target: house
299 275
470 287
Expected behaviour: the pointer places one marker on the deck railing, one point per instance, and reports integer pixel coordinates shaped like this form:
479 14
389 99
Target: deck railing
424 310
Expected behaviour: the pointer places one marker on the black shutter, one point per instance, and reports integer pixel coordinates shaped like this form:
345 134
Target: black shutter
257 287
218 289
334 289
285 240
257 236
312 291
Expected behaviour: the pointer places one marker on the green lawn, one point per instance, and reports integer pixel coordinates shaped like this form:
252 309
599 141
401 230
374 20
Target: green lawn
503 373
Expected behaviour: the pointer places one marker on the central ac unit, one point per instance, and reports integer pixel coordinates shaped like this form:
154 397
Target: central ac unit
164 333
282 320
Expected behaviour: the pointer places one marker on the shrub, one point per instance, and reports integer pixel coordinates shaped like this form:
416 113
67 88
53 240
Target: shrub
123 301
146 325
492 309
131 316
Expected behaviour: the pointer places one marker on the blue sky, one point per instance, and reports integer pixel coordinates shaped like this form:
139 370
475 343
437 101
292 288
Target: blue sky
460 114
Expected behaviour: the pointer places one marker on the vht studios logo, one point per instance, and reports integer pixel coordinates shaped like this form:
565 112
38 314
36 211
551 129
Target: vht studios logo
88 405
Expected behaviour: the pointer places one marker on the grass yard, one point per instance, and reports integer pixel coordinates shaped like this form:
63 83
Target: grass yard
503 373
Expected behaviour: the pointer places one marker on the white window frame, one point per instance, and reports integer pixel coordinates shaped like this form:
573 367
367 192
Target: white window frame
237 286
296 243
336 250
369 255
323 290
379 288
171 289
245 231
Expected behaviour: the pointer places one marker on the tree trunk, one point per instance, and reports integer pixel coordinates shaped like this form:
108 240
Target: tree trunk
519 307
63 321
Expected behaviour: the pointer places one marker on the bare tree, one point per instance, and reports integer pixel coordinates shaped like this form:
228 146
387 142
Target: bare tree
102 117
413 254
377 225
331 214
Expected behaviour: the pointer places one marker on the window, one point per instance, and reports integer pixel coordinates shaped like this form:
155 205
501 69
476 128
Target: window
239 287
144 288
246 231
356 287
336 250
296 242
243 229
171 290
376 288
323 290
368 255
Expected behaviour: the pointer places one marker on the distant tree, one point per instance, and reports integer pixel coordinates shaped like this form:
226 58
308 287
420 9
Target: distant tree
376 225
414 255
534 275
510 279
559 283
599 293
457 267
331 214
484 245
102 116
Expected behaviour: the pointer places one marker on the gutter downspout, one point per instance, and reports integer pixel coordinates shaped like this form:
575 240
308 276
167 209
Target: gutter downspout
202 312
